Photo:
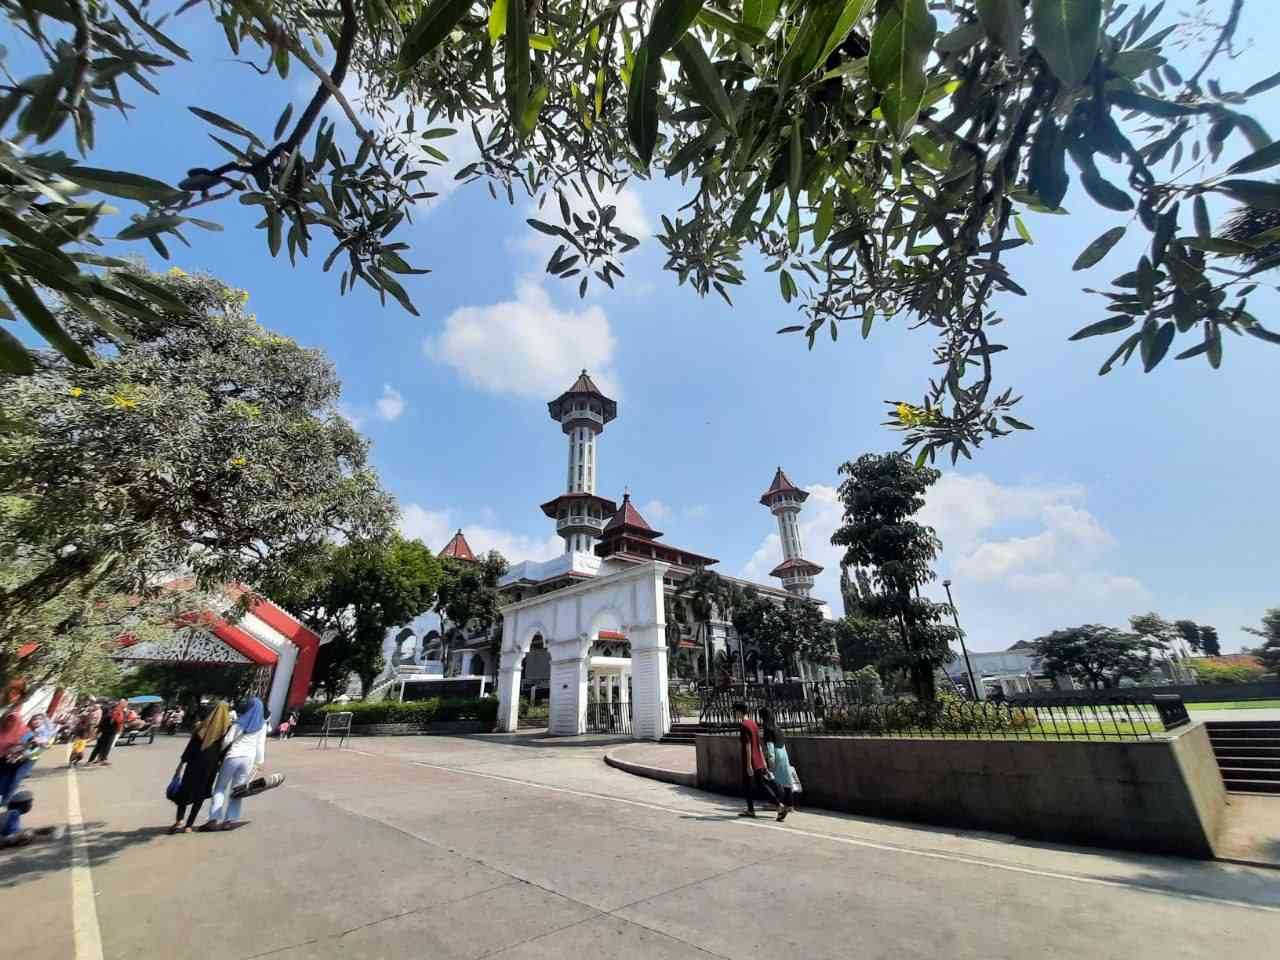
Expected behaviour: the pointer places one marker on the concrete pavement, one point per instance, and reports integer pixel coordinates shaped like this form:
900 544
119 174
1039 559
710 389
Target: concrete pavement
520 847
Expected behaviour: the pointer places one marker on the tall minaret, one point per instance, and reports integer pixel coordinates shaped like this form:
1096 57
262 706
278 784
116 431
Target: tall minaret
785 499
582 412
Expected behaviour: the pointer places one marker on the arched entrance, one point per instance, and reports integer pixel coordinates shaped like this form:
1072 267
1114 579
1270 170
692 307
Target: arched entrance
615 610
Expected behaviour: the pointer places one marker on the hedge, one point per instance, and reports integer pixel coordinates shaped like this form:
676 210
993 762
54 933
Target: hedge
423 712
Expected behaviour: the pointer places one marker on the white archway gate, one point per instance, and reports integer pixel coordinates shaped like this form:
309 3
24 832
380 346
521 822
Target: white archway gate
570 621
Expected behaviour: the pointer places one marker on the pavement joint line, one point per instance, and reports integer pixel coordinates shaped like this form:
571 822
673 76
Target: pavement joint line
876 845
86 933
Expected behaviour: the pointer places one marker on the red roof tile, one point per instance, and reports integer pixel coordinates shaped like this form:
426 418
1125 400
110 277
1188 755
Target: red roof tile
458 548
782 485
628 517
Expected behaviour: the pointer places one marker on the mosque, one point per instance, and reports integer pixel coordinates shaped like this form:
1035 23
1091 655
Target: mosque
607 541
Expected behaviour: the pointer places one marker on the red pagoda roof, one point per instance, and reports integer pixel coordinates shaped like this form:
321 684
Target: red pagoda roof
795 566
458 548
782 485
584 386
628 518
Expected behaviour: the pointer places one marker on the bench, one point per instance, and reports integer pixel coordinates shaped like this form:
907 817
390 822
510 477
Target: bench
129 737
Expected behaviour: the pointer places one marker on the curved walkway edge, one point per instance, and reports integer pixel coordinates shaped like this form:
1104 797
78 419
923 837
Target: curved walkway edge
642 760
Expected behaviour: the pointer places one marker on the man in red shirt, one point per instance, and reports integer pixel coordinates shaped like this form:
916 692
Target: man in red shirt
753 765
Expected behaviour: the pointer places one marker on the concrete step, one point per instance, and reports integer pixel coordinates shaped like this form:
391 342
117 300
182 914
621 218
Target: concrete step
1245 743
679 738
1233 732
1243 771
1236 760
1251 786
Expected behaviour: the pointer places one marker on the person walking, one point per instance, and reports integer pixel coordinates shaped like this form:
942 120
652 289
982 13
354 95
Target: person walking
199 765
245 746
754 769
109 727
775 755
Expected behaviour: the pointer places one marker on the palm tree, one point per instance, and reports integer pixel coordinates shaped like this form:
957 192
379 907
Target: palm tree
700 591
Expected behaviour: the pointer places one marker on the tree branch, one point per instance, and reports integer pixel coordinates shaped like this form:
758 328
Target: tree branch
1224 36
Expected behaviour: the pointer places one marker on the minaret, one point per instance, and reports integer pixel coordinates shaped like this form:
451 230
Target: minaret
785 499
582 412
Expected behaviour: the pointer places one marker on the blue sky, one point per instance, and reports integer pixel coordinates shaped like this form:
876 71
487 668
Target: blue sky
1135 492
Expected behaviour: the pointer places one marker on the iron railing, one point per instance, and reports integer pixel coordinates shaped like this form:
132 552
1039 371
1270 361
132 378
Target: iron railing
842 708
604 716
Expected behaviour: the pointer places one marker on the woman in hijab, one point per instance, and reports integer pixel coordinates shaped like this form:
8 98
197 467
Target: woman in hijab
775 755
245 745
199 764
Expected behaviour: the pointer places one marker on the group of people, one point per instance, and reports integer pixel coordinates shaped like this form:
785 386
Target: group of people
225 748
765 764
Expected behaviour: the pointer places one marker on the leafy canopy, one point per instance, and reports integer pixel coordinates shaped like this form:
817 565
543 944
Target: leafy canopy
199 443
881 157
1095 655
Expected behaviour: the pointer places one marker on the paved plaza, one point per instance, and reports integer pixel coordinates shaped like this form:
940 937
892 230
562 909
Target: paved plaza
524 847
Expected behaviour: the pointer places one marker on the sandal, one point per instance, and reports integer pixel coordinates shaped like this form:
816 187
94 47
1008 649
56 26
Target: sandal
175 828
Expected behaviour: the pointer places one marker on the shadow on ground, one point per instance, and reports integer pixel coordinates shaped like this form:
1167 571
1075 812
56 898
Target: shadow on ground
42 857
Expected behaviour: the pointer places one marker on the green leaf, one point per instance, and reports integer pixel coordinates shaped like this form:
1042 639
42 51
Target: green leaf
826 215
1021 227
1268 156
854 10
275 224
743 32
747 209
529 119
282 122
1126 348
29 304
1110 325
518 65
671 19
1066 34
961 38
642 107
229 125
707 87
795 163
13 355
805 52
118 183
434 23
1201 212
1155 344
760 13
900 48
1253 193
497 20
1048 173
1262 86
1152 106
1105 193
152 32
1228 248
1004 21
1098 249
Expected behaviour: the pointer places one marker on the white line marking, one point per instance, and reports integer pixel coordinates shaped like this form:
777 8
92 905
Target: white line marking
856 842
84 910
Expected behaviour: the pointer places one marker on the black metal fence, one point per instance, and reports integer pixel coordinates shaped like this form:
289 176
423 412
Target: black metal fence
606 717
842 708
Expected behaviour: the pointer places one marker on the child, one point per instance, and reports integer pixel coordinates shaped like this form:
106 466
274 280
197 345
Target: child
77 750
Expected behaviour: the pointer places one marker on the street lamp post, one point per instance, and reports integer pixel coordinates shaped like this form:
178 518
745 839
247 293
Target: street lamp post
973 684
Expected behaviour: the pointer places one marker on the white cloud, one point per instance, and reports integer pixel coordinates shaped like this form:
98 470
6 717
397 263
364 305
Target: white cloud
391 404
526 346
655 511
1025 558
435 527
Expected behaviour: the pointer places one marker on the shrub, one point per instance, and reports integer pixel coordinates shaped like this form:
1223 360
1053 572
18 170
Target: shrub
421 712
1227 673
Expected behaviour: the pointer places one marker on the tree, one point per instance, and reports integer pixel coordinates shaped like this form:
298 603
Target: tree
707 595
864 641
783 635
367 588
1162 634
1095 655
202 443
1269 652
468 599
1189 632
879 158
1209 641
880 494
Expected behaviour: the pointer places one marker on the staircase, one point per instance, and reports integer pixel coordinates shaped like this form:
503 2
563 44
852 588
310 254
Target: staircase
685 732
1248 754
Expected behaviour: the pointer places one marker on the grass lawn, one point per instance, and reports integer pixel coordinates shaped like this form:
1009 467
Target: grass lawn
1236 705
